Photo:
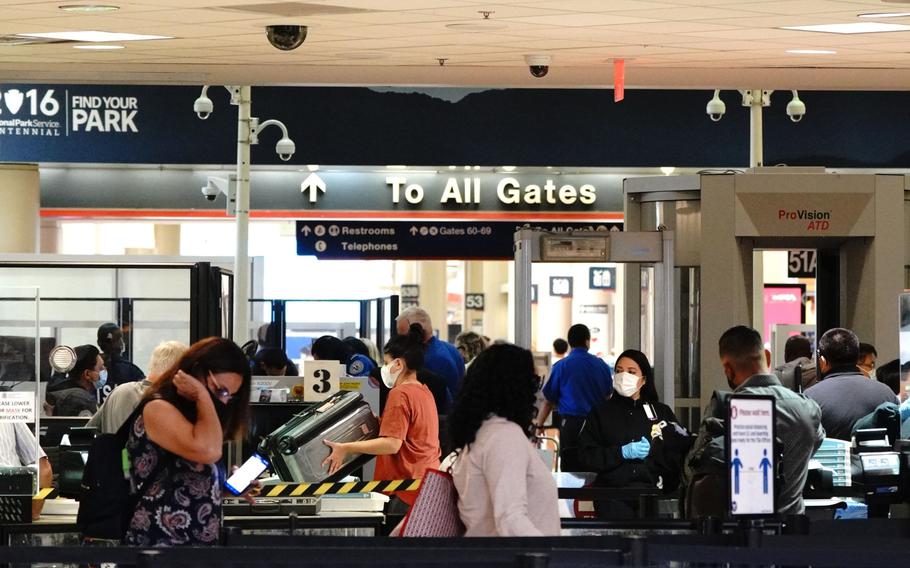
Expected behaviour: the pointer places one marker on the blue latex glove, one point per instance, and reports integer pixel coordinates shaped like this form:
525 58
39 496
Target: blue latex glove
636 450
905 410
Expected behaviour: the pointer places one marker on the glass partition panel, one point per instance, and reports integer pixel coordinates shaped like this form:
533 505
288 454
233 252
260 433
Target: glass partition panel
155 321
63 281
153 283
21 352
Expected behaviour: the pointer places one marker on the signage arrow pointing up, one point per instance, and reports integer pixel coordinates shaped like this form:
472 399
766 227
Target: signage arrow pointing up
306 231
314 184
413 231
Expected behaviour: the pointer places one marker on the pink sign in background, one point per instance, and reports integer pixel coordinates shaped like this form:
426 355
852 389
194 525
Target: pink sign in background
783 305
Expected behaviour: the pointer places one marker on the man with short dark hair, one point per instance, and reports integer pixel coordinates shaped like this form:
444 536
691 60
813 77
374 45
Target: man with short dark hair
560 348
798 371
119 369
576 384
867 359
797 424
844 394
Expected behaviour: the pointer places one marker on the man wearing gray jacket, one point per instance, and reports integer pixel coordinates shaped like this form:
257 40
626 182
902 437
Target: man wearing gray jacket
797 422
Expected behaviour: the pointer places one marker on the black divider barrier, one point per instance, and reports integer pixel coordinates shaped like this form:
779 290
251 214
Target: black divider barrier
401 557
859 556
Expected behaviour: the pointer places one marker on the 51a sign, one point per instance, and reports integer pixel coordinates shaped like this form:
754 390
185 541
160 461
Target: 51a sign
802 263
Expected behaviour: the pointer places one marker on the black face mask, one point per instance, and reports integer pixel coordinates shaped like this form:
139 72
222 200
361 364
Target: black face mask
223 410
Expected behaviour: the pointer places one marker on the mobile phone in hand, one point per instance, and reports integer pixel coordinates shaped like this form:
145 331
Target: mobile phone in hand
241 479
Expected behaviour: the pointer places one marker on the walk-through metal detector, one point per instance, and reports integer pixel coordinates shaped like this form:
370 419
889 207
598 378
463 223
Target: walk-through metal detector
653 248
859 223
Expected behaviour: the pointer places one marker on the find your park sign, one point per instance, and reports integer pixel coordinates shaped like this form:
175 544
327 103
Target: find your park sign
44 112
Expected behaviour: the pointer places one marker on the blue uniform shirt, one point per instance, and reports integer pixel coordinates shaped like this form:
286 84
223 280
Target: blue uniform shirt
578 383
443 359
359 366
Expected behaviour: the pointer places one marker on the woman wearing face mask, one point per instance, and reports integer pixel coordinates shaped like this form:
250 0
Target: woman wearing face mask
408 442
78 394
626 438
175 445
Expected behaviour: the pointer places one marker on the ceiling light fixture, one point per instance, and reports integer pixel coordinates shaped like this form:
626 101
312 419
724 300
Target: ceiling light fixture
89 8
667 170
853 28
811 52
508 168
312 168
94 36
884 15
98 47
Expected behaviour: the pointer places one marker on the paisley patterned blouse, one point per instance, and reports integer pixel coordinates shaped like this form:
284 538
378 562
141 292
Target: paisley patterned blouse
181 506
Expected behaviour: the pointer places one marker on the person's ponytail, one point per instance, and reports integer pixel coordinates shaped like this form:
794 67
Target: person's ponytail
409 347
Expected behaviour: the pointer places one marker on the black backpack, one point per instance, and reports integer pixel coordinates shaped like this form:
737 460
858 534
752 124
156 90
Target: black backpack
107 502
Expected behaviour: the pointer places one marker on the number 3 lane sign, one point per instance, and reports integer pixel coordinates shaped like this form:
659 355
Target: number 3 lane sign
321 379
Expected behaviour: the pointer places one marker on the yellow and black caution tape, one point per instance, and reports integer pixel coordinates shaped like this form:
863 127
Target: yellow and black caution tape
316 489
47 493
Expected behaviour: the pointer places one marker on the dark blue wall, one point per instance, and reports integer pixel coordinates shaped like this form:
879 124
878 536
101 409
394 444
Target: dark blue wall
362 126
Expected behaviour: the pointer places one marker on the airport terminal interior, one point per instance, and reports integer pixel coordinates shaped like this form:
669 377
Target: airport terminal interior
411 282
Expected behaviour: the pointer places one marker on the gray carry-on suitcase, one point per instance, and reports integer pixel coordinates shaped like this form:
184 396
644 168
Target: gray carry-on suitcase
296 449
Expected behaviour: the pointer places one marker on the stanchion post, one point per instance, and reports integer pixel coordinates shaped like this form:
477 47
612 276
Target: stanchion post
292 523
709 526
638 551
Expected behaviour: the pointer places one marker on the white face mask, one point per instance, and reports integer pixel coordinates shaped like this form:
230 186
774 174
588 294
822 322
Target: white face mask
388 377
626 384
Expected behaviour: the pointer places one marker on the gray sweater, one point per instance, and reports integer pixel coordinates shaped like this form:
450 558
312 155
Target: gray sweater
845 396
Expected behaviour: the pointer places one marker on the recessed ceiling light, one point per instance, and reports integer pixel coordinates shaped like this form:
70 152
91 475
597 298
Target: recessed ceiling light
811 51
94 36
508 168
313 167
854 28
484 26
98 47
884 15
89 8
397 167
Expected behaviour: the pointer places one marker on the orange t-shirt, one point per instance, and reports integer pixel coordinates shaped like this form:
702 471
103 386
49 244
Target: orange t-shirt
410 416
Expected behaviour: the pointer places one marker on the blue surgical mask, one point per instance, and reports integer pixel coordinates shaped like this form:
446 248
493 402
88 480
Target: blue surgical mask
102 379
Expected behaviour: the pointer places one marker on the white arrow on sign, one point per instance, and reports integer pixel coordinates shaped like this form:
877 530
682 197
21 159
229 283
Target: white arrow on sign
306 230
314 184
413 231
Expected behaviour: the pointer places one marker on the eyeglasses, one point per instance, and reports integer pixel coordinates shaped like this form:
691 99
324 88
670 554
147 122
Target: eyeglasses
221 393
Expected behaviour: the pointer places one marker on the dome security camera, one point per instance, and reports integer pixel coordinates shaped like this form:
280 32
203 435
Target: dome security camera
716 107
286 37
538 65
796 109
285 148
203 107
209 192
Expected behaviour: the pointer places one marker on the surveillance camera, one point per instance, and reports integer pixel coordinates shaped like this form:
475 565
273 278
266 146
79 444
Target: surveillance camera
285 148
203 107
539 65
716 107
210 192
796 109
286 37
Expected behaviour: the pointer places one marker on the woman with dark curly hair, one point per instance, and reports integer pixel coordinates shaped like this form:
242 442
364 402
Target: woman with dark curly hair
504 488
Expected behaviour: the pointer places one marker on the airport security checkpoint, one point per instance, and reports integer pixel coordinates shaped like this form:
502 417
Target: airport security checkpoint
738 462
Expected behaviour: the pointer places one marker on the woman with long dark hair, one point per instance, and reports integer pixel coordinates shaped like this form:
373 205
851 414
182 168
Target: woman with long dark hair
629 438
408 442
175 445
504 488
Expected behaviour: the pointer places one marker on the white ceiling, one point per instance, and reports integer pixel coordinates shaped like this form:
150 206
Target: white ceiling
666 43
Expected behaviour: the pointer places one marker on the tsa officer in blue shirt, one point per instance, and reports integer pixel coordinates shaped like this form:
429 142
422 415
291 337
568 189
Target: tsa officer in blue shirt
576 384
330 348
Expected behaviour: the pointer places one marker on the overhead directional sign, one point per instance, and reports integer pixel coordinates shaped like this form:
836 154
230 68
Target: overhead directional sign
400 240
314 184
